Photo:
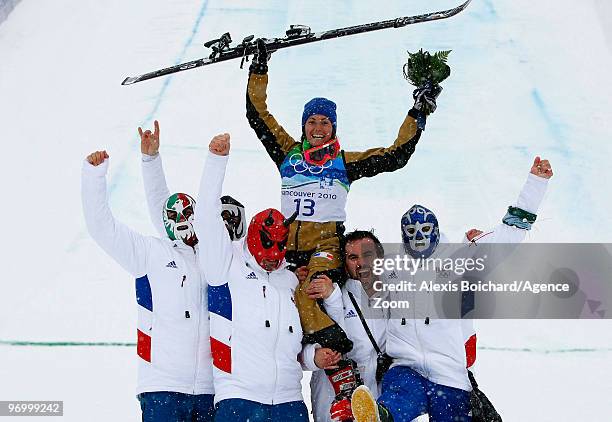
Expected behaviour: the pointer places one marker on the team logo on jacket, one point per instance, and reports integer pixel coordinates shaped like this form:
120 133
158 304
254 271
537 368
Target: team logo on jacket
350 314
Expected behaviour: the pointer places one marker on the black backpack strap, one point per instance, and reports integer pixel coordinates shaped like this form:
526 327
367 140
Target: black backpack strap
363 322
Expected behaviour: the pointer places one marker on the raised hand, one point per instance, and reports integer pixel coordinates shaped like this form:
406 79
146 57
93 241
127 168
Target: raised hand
259 64
149 142
262 55
220 144
425 97
472 234
541 168
97 158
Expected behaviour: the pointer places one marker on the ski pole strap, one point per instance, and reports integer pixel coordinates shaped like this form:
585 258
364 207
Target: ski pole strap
520 218
365 325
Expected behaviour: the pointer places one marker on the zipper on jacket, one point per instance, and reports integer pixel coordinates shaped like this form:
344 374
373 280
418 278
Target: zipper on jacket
197 359
278 309
187 315
423 354
197 342
263 289
428 308
416 333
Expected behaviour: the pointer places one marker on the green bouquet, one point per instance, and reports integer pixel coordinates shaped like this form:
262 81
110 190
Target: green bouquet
423 68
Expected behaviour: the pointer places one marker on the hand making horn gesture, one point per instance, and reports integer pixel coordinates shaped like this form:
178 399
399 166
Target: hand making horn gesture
149 142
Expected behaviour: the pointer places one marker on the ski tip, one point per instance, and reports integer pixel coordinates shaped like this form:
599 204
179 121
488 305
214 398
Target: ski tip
129 80
464 5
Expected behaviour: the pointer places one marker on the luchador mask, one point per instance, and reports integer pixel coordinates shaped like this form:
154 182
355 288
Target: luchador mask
178 218
420 232
267 238
232 213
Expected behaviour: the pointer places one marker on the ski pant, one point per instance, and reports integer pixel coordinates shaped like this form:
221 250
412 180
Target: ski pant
319 247
407 395
177 407
231 410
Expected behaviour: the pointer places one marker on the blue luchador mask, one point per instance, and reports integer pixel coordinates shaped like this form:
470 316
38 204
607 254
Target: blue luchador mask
420 232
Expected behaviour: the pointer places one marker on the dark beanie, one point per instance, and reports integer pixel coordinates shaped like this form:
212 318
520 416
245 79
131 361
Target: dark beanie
321 106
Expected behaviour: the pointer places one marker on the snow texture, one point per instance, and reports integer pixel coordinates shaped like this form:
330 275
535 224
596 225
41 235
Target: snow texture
6 7
527 78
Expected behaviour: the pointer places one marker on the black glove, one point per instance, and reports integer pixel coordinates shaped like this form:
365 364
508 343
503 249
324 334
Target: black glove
425 97
259 65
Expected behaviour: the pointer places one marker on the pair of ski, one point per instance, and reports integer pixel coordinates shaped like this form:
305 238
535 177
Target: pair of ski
295 35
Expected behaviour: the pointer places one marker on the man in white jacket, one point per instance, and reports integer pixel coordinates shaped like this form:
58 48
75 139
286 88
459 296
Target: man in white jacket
175 370
331 394
255 330
429 373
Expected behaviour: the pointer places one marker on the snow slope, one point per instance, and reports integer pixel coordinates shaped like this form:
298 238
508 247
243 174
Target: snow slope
528 78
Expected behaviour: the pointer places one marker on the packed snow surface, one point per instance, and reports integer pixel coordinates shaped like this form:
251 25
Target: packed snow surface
528 78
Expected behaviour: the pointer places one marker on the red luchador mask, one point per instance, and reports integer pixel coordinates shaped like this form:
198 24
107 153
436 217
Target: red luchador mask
267 238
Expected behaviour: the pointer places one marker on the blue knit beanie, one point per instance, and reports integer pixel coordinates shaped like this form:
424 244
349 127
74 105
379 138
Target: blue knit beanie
321 106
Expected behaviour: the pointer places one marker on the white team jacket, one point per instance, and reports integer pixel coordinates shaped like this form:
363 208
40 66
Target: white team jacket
255 331
340 308
436 350
173 326
156 191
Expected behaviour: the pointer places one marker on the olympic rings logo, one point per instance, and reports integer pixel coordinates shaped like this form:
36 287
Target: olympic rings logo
301 166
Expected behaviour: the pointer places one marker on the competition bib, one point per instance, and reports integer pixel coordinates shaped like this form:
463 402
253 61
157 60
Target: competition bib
318 193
